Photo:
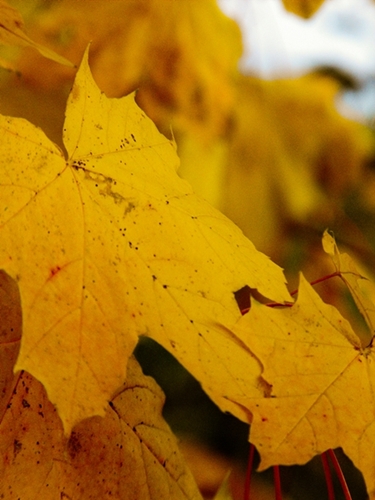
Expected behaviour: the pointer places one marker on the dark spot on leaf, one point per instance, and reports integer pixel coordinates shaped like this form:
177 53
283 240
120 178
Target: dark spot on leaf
65 496
25 404
75 93
17 447
55 270
74 445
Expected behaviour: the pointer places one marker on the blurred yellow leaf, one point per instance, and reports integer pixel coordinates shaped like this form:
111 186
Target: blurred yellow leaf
181 56
116 245
224 492
286 153
11 33
303 8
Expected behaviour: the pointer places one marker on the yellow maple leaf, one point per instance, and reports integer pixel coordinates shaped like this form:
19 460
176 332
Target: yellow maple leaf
361 288
322 384
303 8
111 244
130 454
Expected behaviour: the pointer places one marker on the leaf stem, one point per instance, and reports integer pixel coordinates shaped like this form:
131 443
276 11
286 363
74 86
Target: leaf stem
315 282
328 476
248 472
320 280
340 474
276 478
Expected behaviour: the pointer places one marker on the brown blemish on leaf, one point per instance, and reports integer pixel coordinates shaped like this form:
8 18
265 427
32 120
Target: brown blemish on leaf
74 445
17 447
55 270
75 93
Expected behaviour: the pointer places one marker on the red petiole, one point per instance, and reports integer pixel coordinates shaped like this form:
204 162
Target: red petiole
276 478
312 283
250 463
320 280
340 474
328 476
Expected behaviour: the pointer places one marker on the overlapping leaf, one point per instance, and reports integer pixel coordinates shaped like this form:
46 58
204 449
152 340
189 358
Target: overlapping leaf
130 454
112 244
361 288
322 384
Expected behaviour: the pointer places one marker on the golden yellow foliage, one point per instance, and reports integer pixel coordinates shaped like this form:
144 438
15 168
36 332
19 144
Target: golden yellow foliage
303 8
107 243
322 384
291 157
181 56
130 454
116 245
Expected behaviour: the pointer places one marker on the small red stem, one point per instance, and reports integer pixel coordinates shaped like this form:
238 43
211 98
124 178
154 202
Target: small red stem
277 304
315 282
340 474
320 280
276 478
248 472
328 476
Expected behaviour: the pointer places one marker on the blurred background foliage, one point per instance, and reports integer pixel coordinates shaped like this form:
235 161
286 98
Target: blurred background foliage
276 156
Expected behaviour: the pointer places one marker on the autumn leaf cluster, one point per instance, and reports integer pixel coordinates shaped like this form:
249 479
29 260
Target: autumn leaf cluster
102 242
